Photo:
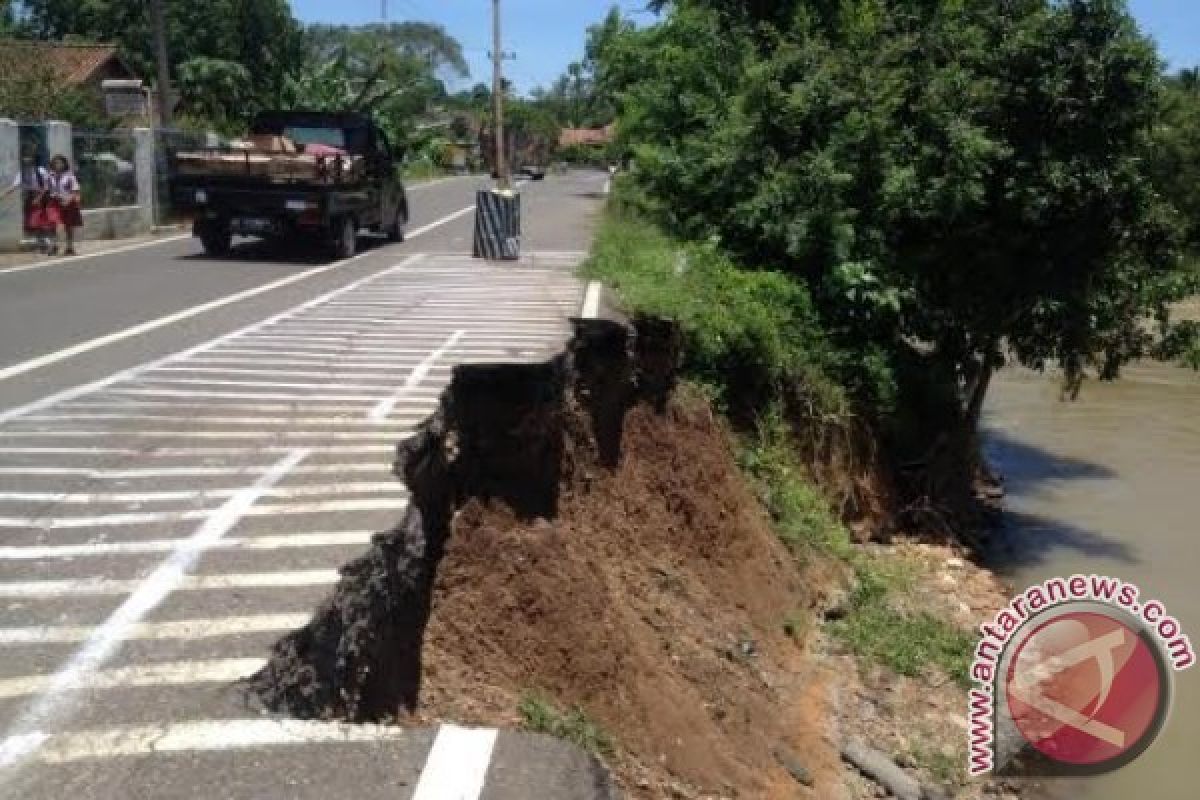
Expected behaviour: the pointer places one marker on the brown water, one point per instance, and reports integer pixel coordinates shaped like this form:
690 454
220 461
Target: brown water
1111 484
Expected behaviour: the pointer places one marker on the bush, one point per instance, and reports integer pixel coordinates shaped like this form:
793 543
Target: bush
748 334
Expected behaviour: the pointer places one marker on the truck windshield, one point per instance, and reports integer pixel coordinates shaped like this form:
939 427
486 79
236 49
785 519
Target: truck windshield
333 137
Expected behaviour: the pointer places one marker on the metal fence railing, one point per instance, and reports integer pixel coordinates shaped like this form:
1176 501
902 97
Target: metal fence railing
105 166
167 144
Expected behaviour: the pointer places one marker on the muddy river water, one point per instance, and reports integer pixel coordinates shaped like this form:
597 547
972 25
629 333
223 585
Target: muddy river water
1110 484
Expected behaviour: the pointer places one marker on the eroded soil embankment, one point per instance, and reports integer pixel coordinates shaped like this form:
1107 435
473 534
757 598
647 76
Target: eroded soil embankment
579 529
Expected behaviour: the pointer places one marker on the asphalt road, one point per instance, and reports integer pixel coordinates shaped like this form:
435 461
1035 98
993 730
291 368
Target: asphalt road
190 449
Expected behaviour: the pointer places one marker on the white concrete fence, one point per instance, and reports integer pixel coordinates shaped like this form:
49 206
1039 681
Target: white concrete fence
99 223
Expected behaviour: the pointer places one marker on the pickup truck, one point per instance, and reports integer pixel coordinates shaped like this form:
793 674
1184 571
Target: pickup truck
319 175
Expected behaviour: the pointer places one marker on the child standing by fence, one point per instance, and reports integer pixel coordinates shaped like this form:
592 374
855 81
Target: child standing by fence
32 181
63 209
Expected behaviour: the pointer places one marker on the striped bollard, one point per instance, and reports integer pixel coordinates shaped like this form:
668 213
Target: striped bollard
497 225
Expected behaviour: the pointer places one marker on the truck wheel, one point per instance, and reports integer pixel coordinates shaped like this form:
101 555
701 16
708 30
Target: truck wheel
395 233
216 240
346 243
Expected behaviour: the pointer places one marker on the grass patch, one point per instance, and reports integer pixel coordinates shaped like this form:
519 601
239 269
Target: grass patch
902 642
801 513
539 714
947 770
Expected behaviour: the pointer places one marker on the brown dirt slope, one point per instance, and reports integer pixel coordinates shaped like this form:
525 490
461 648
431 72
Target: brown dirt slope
654 600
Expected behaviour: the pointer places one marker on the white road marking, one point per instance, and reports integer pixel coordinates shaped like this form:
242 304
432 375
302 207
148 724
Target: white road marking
170 319
341 398
385 407
198 736
161 322
183 472
591 301
126 374
81 669
186 629
457 764
171 452
202 495
101 587
65 260
276 542
462 212
149 380
379 372
59 523
279 435
398 426
181 673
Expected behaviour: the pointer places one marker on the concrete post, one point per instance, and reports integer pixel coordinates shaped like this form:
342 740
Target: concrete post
144 167
11 223
58 141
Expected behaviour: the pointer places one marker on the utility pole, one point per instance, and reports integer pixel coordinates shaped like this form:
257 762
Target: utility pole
158 20
498 99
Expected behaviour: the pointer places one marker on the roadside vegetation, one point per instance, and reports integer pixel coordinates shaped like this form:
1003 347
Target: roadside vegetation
540 714
858 212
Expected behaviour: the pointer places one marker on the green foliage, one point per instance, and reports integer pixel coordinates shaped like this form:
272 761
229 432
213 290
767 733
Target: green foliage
540 715
800 511
579 98
260 35
423 42
216 90
903 642
958 173
1173 151
751 334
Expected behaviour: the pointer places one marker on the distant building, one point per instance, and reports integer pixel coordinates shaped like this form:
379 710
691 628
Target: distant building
81 67
587 137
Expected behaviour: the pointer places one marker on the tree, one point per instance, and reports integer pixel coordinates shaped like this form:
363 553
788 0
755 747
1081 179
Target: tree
216 90
260 35
579 98
959 173
1173 151
427 43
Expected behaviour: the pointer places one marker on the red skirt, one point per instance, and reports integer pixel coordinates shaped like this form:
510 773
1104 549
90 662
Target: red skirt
66 214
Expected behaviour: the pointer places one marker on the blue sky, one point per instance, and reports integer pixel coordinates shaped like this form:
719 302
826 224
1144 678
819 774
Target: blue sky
546 35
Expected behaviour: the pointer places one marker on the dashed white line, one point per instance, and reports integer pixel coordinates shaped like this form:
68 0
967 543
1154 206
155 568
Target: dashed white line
457 764
591 301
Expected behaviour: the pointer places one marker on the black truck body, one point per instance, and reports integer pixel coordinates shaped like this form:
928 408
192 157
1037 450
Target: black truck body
331 204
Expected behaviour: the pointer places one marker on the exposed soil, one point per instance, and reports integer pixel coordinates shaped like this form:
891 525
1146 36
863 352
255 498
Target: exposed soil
655 601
